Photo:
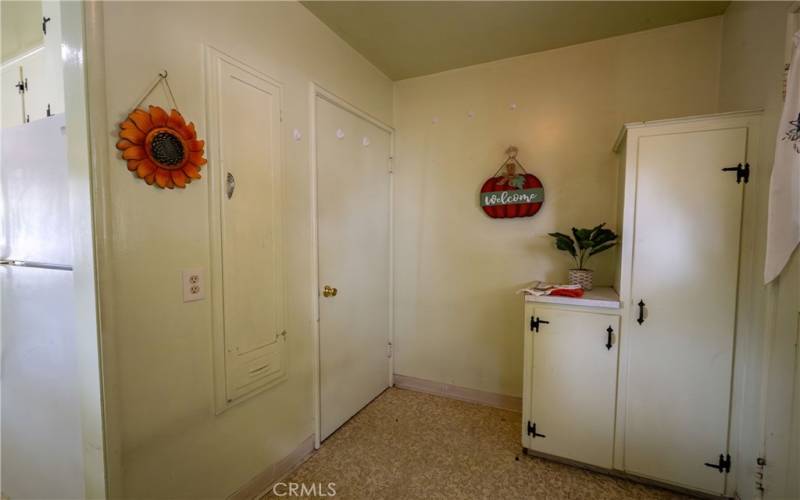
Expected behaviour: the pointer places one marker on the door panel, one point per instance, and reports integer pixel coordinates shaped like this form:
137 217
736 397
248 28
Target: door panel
353 158
685 270
574 385
252 264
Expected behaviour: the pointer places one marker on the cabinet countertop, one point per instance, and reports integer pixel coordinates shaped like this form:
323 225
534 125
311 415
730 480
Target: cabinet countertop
603 297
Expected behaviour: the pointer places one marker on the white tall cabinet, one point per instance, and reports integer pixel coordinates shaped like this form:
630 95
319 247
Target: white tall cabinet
682 185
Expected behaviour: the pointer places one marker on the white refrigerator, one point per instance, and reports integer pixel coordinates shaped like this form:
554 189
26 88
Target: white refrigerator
40 431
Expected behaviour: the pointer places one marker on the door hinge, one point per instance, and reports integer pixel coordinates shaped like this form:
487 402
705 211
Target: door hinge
45 20
535 322
723 465
532 430
742 172
389 350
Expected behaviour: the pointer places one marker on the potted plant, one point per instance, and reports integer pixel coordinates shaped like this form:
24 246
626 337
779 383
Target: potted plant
587 242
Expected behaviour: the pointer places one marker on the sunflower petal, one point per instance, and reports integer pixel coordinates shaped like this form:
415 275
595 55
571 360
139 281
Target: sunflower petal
170 184
192 171
127 124
134 153
197 158
185 133
179 178
158 116
146 169
124 144
175 120
134 135
133 164
197 145
162 176
150 178
192 131
142 120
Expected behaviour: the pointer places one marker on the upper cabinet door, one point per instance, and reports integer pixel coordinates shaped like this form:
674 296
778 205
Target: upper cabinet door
573 384
247 203
684 281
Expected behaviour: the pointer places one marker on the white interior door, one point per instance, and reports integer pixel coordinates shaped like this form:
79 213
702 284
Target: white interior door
353 167
685 271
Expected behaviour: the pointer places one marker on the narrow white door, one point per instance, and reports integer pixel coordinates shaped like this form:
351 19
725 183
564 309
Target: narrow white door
574 382
353 160
252 254
685 272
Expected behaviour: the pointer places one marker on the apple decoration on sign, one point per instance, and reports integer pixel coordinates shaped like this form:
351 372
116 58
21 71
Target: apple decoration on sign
512 194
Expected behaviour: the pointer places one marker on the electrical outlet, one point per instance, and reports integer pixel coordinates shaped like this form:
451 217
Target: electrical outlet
194 285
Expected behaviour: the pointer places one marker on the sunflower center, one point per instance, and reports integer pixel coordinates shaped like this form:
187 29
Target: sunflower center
167 149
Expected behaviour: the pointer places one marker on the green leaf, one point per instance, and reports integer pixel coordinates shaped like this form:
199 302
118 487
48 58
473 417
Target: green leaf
567 245
601 248
582 236
603 236
559 235
595 229
518 182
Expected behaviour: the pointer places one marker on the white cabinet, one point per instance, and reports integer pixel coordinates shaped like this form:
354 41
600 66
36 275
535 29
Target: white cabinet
678 281
660 408
248 275
570 381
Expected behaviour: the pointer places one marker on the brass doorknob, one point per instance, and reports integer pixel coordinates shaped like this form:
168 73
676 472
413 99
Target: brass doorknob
328 291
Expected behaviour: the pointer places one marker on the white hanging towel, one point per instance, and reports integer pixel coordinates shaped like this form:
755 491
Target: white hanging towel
783 228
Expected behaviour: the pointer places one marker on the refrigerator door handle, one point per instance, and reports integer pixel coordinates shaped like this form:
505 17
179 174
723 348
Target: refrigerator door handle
39 265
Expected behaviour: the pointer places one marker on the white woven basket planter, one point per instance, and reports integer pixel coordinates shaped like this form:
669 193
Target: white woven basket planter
582 277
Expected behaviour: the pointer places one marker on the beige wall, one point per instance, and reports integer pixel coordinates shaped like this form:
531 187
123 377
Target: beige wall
458 320
165 440
753 55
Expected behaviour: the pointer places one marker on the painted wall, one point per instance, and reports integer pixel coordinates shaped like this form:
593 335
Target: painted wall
458 320
164 439
753 56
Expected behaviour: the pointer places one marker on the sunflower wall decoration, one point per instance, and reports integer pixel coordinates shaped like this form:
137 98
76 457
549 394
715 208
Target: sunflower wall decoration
161 148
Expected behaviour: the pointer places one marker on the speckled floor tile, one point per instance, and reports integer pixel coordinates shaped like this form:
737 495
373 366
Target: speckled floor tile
410 445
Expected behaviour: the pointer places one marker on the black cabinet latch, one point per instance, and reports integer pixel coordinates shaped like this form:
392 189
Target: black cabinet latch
610 337
724 464
22 86
742 172
532 430
535 322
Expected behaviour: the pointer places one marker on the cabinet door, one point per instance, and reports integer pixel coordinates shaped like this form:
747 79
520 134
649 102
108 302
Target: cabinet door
685 272
573 385
249 260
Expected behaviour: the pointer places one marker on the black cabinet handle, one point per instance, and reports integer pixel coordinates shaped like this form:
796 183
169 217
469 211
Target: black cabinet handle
608 341
640 320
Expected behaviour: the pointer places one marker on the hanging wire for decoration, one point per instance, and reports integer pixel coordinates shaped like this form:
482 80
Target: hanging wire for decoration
160 147
512 193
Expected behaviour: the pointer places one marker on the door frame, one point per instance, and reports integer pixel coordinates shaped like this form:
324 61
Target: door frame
318 91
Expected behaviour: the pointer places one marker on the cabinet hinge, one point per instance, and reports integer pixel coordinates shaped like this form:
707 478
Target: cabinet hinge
536 321
45 20
389 350
723 465
22 86
742 172
532 430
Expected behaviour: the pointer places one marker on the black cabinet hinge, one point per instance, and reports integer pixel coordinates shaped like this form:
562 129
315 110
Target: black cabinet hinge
22 86
535 322
532 430
724 464
45 20
742 172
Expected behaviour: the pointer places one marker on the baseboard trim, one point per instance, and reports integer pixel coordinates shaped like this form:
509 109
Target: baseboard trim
260 484
461 393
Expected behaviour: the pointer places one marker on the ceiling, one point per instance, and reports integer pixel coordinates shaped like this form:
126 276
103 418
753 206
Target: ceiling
405 39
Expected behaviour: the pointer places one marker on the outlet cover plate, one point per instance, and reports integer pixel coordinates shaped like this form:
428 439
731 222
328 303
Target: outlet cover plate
194 285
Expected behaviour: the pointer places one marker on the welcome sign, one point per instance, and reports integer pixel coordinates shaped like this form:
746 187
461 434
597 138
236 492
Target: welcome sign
509 196
516 197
